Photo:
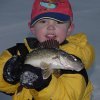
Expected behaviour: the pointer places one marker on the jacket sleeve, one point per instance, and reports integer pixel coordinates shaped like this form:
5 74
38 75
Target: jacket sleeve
4 86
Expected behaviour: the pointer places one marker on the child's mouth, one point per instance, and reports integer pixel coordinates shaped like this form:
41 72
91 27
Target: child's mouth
51 36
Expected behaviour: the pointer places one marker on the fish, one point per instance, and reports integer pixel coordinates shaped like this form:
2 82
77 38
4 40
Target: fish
50 59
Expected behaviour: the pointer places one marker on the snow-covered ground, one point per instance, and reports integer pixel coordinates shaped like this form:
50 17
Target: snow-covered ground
14 17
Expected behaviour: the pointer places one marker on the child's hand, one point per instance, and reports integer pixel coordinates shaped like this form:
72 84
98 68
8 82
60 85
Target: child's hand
32 78
12 70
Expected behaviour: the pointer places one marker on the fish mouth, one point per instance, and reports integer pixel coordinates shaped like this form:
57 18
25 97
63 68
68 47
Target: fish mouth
50 36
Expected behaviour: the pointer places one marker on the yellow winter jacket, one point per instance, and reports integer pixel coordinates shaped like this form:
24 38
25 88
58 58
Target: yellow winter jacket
67 86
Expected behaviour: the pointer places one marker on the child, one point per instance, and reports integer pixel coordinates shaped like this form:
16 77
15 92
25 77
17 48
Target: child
50 20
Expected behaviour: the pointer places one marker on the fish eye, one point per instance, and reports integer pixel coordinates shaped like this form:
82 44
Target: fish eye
75 58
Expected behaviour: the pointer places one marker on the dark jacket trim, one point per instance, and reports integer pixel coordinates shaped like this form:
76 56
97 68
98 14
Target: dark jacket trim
22 49
32 42
82 72
13 50
19 47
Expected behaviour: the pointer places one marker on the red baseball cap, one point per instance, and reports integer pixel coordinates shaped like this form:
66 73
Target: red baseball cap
59 10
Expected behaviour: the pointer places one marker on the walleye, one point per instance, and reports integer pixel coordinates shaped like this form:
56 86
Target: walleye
49 59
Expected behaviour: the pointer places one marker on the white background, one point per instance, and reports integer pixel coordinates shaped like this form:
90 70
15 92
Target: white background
14 17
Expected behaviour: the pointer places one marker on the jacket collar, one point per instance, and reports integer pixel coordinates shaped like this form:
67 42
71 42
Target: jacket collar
32 42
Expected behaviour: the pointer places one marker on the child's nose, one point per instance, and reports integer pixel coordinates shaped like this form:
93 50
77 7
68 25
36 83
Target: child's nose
51 25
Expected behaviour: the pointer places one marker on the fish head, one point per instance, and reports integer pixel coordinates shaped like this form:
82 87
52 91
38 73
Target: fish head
69 61
77 62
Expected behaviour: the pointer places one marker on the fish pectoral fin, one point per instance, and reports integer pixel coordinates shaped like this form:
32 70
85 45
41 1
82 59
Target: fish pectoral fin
46 70
46 73
44 65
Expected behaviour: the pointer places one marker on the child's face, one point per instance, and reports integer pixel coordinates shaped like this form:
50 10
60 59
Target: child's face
47 29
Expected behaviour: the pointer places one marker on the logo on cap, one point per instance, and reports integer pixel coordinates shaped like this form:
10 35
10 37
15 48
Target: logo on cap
48 4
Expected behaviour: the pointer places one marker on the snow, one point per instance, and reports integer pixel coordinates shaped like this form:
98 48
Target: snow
14 17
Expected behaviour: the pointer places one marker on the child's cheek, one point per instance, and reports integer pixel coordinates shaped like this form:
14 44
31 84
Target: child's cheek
62 31
40 32
40 29
61 34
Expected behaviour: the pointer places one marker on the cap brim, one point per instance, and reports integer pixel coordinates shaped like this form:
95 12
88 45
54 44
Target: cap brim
51 15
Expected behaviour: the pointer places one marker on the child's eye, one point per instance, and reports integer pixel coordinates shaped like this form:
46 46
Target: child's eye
58 22
42 21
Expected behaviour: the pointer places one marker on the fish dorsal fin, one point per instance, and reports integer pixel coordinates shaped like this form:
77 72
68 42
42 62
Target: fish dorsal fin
49 44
